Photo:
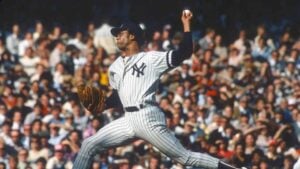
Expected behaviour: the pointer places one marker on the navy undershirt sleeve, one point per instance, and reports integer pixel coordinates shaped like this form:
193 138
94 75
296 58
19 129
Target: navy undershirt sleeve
113 101
184 51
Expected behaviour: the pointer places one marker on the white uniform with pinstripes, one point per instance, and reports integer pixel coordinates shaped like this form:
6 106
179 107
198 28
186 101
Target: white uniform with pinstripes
136 78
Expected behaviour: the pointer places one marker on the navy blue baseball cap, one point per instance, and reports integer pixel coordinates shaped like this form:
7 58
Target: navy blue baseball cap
131 27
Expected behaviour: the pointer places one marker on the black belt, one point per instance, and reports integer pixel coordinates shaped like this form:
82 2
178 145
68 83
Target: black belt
136 108
133 108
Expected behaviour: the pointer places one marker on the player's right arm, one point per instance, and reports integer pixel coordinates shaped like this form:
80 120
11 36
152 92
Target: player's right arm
185 49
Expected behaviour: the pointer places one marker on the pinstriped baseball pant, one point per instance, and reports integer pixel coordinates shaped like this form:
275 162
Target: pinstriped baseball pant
148 124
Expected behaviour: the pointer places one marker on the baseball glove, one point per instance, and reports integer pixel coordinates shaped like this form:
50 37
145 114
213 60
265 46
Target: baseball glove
92 98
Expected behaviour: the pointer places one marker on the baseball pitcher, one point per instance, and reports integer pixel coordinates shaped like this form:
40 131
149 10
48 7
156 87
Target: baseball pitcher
134 77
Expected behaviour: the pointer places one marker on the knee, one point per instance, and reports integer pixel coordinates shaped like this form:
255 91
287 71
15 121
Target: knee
92 145
89 145
183 159
86 144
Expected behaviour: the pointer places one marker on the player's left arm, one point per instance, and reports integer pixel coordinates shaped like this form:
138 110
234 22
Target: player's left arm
113 101
185 49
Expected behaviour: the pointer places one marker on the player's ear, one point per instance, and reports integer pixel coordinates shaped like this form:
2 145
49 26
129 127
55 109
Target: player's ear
131 37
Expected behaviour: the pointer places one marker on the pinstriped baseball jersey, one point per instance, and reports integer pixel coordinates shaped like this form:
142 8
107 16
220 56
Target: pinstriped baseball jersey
136 78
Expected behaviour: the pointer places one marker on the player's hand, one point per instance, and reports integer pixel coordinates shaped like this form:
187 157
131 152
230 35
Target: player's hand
186 18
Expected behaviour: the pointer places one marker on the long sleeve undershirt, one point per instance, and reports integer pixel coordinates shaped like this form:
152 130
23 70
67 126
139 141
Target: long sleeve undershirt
184 51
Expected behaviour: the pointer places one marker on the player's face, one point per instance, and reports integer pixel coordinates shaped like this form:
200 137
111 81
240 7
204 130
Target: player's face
123 39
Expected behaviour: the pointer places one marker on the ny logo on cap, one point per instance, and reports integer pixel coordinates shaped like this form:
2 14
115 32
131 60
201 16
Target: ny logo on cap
138 70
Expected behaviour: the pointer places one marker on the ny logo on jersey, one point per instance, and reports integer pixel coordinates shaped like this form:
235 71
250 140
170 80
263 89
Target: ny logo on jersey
138 70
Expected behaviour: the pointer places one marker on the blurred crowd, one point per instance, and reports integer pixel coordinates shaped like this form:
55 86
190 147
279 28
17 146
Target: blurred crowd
238 101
